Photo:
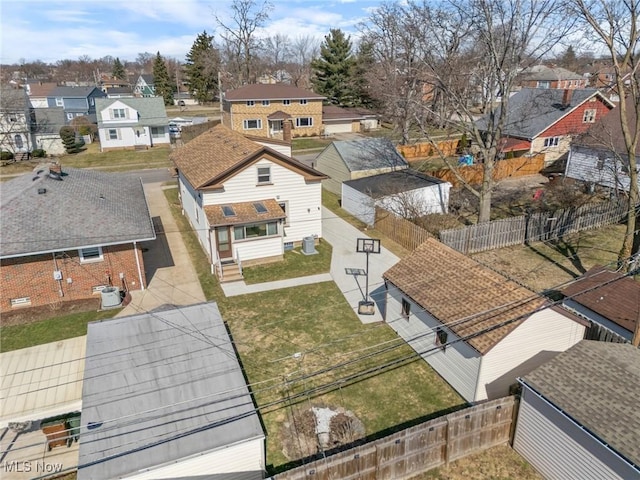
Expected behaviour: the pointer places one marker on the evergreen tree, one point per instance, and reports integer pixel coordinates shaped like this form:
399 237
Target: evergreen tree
363 66
202 67
68 136
164 86
118 70
334 69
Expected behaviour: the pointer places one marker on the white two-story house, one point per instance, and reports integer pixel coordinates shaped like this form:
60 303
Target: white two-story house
132 123
247 202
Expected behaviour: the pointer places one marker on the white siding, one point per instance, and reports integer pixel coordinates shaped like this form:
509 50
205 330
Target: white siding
283 149
243 461
126 137
130 114
433 199
330 163
257 248
358 204
593 316
51 143
458 364
560 449
191 205
538 339
303 199
586 165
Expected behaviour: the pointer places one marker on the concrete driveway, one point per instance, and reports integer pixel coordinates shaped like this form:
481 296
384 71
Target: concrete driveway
343 236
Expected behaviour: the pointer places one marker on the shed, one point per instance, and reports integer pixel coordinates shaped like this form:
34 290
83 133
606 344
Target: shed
406 193
579 415
351 159
164 396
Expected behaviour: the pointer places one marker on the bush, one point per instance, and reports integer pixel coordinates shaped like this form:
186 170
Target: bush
38 153
5 155
68 136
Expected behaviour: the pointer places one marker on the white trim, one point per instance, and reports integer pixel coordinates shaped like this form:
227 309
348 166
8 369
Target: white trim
91 259
20 302
135 252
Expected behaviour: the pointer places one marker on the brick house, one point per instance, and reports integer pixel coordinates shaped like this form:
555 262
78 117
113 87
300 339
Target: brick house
262 110
544 121
541 76
69 233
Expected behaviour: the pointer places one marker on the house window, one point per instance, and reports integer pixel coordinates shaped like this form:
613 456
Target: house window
544 84
118 113
91 101
589 116
286 102
250 103
441 337
265 103
91 254
304 122
551 142
17 140
264 175
69 116
113 134
255 124
406 309
303 101
255 230
59 102
20 302
285 209
157 132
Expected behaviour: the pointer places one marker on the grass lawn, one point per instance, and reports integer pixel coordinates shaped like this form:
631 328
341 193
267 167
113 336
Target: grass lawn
26 335
309 143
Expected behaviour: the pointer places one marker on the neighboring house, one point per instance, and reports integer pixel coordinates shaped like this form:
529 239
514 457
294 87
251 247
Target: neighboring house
180 409
68 233
262 109
609 300
76 101
599 156
187 121
541 76
347 120
132 123
47 130
404 193
38 93
119 92
184 99
352 159
579 415
246 202
16 122
107 82
477 328
544 121
145 86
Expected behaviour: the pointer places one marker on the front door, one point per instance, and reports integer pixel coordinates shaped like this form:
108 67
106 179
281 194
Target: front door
223 242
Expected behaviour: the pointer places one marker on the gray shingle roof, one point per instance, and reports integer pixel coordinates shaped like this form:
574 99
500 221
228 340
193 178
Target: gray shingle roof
542 72
151 110
13 100
167 373
274 91
598 385
49 120
86 208
369 154
73 92
390 183
533 110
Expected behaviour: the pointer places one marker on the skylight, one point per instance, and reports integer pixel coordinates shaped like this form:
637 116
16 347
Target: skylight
260 208
228 211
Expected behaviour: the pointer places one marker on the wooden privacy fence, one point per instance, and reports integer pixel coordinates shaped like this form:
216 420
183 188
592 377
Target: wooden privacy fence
400 230
417 449
429 149
533 228
511 168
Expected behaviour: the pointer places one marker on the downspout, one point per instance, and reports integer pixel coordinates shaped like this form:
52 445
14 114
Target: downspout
135 250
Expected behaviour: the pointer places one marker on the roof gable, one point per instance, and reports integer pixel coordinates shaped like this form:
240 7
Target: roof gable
274 91
369 154
151 110
471 299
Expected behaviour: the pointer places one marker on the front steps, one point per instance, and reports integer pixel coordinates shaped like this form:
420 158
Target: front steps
231 273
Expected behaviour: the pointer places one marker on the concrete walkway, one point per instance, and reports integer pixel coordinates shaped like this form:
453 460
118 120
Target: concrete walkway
171 278
241 288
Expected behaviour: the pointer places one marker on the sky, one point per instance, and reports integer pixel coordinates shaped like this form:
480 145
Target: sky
50 30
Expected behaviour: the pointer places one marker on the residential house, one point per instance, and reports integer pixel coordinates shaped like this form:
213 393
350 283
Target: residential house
38 93
132 123
107 82
181 409
578 415
352 159
262 110
76 101
145 86
16 122
405 193
544 121
609 300
477 328
69 233
246 201
348 120
599 156
119 92
542 76
48 122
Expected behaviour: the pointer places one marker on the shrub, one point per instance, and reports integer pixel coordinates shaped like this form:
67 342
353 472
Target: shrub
38 153
5 155
68 136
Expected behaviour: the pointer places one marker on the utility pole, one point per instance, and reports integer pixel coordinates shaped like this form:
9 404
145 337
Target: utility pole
220 89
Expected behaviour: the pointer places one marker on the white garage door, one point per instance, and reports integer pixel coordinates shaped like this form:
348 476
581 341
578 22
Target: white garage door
332 128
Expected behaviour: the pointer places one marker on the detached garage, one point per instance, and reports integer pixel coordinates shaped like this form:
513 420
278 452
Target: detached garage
579 415
404 193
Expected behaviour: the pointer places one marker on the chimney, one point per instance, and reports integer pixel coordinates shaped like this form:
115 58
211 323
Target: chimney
286 130
566 97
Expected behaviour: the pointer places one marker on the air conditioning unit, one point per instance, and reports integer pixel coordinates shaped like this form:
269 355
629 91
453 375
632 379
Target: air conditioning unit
309 246
110 297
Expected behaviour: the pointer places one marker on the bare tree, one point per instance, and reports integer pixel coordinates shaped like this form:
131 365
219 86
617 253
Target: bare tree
240 43
304 48
614 24
277 50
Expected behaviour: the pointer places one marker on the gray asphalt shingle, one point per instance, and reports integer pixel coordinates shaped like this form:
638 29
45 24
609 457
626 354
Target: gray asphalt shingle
151 111
369 154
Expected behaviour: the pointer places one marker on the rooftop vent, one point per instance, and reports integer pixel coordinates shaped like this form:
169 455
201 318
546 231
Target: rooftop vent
42 191
55 176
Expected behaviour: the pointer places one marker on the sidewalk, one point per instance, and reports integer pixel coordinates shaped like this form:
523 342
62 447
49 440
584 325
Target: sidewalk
241 288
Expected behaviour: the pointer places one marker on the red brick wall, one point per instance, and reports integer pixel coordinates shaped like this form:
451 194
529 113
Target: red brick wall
32 276
572 123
